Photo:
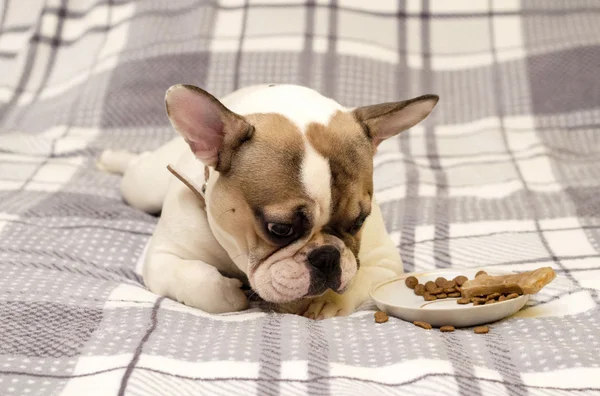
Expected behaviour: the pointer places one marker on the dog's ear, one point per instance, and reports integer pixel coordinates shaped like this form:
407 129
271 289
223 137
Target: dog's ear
382 121
209 128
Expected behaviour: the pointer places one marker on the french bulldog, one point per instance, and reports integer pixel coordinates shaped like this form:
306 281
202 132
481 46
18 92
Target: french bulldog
287 180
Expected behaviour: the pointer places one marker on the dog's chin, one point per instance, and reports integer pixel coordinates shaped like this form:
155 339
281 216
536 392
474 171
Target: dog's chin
281 282
288 281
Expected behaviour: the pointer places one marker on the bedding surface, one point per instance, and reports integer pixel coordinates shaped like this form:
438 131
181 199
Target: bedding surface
505 173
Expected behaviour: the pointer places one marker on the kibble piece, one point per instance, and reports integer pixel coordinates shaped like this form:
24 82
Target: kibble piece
479 299
441 296
454 295
502 298
381 317
429 297
493 296
463 300
481 329
480 273
430 286
460 280
489 302
437 290
475 303
419 289
449 290
446 329
441 281
411 282
449 284
511 296
423 325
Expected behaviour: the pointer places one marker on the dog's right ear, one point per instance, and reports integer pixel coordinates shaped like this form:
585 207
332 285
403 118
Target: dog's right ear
209 128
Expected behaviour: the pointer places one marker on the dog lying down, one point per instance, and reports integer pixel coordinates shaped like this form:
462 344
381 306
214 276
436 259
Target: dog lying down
287 177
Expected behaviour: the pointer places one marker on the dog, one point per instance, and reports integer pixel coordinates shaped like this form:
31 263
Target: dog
287 180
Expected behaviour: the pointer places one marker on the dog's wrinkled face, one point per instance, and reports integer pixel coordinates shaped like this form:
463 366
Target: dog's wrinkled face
290 200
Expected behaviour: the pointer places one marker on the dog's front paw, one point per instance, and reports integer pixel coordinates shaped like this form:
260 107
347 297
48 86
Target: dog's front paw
216 295
329 305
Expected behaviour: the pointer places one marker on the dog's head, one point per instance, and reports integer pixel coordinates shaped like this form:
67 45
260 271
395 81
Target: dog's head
288 199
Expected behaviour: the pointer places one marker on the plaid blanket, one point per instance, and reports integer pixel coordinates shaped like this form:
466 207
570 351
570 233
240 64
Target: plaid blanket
505 173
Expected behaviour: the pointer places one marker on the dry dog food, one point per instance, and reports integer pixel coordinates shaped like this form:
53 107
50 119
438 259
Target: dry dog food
429 286
381 317
481 329
437 290
419 289
484 289
529 282
423 325
429 297
411 282
460 280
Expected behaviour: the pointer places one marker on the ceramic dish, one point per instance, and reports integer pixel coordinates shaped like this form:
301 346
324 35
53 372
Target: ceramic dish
396 299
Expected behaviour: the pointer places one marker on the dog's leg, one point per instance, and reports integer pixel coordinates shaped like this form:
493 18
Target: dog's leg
145 176
379 260
194 283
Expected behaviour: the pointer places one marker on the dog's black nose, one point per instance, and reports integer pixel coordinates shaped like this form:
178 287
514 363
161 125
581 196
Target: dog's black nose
326 258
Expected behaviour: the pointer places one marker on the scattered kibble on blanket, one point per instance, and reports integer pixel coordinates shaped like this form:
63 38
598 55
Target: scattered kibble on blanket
423 325
447 329
381 317
481 330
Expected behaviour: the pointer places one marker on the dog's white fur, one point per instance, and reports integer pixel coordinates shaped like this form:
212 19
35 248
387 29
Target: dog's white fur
191 259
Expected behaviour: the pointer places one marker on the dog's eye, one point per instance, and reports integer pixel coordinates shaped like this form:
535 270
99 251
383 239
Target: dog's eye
280 230
358 224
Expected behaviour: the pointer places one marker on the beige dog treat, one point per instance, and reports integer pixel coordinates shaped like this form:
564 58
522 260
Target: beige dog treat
430 286
381 317
423 325
463 300
441 296
446 329
449 290
524 283
411 282
441 281
454 295
481 330
419 289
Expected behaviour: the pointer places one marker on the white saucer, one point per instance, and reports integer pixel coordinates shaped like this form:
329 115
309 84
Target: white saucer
396 299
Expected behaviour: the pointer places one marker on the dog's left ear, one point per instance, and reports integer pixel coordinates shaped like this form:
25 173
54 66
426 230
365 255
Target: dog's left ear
382 121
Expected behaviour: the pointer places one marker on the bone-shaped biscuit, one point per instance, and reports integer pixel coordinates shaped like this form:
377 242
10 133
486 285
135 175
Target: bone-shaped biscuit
529 282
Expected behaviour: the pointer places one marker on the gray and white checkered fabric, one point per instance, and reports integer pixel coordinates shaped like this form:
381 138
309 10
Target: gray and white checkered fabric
505 173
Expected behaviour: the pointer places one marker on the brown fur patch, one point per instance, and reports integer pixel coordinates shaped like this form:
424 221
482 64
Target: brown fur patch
264 181
350 154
